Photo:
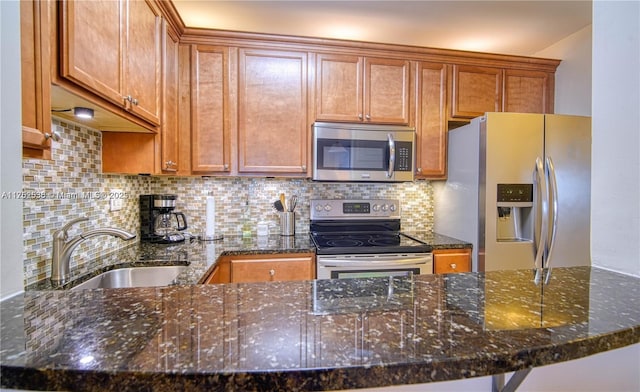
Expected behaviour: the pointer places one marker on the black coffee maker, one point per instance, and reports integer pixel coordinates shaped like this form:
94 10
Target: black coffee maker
159 222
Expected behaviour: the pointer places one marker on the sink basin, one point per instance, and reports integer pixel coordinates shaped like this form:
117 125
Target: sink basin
133 277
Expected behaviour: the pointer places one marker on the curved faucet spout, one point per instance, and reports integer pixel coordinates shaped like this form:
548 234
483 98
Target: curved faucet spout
62 249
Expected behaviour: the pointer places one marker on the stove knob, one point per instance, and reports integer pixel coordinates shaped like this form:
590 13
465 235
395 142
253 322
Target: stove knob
392 207
384 207
327 207
319 208
375 208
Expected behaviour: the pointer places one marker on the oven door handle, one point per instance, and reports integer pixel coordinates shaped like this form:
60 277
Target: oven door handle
373 262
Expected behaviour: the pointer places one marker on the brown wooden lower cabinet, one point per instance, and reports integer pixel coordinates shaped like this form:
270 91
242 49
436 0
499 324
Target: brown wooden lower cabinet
264 268
446 261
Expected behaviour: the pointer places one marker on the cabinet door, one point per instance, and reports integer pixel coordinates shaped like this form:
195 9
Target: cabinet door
170 126
210 135
273 129
431 120
386 90
528 91
339 88
475 90
92 46
142 60
36 79
272 269
446 261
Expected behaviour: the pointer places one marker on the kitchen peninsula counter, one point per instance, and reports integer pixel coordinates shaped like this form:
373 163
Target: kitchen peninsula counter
313 335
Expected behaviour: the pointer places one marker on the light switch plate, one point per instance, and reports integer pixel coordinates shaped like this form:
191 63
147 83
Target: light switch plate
116 202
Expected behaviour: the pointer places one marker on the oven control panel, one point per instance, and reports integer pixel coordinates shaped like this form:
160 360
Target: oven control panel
358 209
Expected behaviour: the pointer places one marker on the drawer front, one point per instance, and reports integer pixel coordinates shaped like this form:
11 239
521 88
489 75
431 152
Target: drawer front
451 260
272 270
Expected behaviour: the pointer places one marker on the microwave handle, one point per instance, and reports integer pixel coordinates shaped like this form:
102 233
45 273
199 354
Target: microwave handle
392 155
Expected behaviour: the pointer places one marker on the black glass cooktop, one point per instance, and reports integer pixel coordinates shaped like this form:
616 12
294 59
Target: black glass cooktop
381 242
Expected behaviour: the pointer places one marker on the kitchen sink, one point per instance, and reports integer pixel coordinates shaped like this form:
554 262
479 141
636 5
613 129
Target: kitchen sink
133 277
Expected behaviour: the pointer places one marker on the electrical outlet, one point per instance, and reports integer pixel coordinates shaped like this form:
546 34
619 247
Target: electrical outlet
116 201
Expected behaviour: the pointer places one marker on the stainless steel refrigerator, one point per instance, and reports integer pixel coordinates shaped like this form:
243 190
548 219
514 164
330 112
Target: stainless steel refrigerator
518 189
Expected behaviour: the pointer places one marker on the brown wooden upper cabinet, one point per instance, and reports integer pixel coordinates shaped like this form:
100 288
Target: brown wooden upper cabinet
112 48
169 159
354 88
210 124
528 91
36 79
474 90
431 120
273 127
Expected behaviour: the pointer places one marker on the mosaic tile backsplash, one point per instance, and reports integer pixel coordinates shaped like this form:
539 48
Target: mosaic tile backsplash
71 185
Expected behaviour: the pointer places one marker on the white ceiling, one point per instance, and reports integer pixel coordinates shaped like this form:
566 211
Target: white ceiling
508 27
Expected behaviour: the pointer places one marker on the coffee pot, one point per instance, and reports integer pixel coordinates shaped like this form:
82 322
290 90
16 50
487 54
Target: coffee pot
158 221
168 226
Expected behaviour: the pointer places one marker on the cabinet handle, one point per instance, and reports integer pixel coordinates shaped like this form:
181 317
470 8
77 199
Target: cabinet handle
168 166
453 265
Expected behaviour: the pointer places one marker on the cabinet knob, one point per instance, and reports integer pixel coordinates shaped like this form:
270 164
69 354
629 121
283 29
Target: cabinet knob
134 101
360 116
225 166
304 167
419 170
272 272
127 98
453 265
368 117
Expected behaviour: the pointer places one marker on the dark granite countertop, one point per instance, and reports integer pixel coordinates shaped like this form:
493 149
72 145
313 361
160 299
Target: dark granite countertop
313 335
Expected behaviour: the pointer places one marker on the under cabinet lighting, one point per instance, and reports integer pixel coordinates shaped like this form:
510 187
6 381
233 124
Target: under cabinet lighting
78 111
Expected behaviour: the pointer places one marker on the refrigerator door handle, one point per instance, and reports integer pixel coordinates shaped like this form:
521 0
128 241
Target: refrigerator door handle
543 192
550 174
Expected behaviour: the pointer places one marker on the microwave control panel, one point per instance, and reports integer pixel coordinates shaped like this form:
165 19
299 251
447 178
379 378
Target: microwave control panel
404 156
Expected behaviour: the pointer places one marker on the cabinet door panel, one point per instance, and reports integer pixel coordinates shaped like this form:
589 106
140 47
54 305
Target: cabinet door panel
339 88
210 148
386 91
169 133
526 92
272 112
475 90
92 46
143 59
431 120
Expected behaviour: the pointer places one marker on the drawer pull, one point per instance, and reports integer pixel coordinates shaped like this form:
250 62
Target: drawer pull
272 272
453 265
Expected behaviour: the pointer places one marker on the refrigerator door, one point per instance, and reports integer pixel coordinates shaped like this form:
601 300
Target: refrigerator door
568 145
513 142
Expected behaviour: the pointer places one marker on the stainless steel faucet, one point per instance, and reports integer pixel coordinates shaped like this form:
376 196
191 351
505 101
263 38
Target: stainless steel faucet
62 249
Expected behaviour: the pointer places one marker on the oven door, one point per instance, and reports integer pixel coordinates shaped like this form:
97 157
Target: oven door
373 265
344 152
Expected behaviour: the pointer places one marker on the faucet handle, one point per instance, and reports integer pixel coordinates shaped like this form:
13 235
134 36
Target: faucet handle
73 222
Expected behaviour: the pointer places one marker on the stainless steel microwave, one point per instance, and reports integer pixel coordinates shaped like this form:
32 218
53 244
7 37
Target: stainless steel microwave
363 152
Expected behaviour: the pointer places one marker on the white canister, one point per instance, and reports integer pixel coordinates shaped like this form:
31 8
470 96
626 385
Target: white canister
263 229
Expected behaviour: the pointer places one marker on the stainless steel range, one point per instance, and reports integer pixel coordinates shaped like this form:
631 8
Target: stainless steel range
362 238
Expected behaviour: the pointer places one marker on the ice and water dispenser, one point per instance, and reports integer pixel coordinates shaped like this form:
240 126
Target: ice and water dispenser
514 218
